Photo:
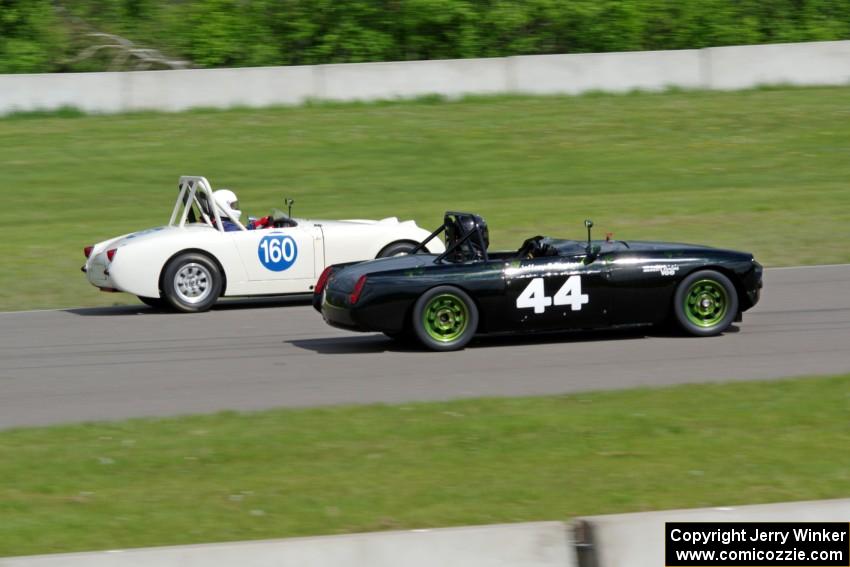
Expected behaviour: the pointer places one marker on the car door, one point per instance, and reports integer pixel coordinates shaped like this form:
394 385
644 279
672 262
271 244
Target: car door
556 293
642 287
279 260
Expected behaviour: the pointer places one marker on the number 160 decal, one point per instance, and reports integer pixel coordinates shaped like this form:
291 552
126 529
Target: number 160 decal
534 295
277 253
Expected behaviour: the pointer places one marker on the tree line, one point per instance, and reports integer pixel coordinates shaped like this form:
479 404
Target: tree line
87 35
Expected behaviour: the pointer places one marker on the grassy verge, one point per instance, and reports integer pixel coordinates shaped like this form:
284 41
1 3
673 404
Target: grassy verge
319 471
764 170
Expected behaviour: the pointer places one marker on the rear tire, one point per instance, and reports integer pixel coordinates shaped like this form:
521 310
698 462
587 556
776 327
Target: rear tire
155 302
445 318
396 249
705 303
191 283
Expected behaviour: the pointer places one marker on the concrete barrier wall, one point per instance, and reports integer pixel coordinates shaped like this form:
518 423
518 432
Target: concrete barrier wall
373 81
816 63
216 88
541 544
611 72
637 540
92 92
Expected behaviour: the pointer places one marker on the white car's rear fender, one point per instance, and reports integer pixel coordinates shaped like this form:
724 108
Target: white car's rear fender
137 266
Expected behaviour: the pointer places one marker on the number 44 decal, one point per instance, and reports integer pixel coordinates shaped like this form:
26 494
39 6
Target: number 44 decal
534 295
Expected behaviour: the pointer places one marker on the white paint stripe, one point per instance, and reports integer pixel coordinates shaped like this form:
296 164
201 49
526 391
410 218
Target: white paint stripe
806 267
42 310
57 309
817 266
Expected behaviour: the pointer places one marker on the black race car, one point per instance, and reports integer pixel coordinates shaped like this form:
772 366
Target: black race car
548 284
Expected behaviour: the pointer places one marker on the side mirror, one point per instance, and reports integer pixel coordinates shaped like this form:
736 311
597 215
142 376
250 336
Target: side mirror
289 203
591 250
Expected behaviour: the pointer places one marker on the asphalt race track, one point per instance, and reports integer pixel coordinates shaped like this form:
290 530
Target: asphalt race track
110 363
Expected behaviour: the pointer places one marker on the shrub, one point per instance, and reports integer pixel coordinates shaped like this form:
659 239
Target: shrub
233 33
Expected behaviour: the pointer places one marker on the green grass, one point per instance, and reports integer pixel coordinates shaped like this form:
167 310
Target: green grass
284 473
763 170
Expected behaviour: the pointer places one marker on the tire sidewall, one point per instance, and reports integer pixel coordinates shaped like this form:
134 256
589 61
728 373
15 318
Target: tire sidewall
170 294
419 327
679 303
396 248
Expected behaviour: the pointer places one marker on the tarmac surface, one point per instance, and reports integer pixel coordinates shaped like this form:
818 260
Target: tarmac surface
112 363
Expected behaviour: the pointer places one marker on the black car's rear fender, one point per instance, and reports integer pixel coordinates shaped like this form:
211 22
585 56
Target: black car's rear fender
387 299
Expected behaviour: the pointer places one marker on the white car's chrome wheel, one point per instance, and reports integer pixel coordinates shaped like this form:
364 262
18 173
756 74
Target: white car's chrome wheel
193 283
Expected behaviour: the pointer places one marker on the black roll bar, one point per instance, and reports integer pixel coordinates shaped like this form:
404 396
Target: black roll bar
460 243
443 227
431 237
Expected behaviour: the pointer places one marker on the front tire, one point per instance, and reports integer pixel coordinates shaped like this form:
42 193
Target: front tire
705 303
445 318
397 249
191 283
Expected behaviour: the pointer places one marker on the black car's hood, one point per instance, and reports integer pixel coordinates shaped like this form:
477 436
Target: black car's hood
578 247
646 245
680 248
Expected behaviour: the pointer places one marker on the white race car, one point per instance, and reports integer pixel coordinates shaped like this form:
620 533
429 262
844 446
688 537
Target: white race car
190 263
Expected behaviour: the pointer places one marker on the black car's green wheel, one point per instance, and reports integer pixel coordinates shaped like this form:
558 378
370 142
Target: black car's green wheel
705 303
445 318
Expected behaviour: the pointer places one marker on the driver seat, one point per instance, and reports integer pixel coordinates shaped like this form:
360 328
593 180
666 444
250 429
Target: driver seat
536 247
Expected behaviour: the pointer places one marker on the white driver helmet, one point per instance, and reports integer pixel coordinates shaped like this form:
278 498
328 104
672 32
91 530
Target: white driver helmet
228 204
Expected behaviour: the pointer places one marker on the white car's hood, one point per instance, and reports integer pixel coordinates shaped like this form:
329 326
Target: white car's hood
390 221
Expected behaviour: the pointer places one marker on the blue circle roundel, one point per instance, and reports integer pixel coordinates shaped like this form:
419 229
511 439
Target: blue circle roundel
277 252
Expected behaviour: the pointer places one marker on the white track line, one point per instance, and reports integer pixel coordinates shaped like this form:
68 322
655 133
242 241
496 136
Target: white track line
815 266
